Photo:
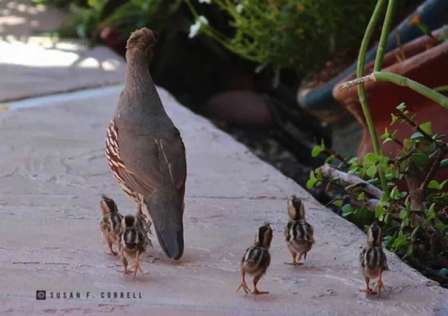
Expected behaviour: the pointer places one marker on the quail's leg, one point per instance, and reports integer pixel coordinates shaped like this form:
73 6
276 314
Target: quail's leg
368 290
125 265
243 283
256 291
137 266
380 285
294 262
112 252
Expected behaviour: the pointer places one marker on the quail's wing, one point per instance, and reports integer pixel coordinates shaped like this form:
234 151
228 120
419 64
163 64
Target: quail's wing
150 163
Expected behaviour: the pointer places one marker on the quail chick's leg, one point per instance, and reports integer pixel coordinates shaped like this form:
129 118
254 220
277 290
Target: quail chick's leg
294 262
256 291
380 285
136 266
368 290
243 283
125 265
112 252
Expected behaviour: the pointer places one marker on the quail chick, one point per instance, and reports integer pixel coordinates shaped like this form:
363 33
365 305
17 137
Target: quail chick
133 241
373 260
110 223
256 260
299 234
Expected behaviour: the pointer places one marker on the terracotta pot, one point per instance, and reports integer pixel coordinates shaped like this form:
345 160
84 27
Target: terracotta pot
113 39
244 108
425 64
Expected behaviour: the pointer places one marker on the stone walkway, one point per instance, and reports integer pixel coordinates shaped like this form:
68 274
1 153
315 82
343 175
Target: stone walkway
53 171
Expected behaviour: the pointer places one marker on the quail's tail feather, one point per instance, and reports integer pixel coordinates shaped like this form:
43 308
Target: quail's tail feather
168 223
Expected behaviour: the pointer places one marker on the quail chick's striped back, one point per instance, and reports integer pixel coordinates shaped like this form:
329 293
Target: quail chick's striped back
299 234
257 258
132 238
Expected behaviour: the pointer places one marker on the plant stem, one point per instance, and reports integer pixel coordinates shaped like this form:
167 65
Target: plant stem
414 85
441 89
401 81
361 90
384 35
432 171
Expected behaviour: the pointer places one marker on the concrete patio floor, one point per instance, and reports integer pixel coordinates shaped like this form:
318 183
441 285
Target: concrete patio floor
53 171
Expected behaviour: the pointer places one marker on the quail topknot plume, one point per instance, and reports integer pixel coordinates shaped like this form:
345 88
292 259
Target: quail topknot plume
145 150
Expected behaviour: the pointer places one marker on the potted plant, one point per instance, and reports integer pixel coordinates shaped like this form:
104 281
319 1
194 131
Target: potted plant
422 60
315 94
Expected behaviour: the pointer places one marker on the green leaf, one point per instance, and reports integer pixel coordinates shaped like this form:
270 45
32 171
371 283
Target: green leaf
426 127
312 181
401 107
443 272
371 171
330 158
433 184
403 214
432 212
420 159
408 143
417 135
394 134
443 184
362 196
317 150
347 209
440 227
395 194
319 175
371 158
337 203
379 211
388 218
394 119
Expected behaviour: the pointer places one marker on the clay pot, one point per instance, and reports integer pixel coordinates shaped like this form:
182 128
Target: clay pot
425 64
113 39
244 108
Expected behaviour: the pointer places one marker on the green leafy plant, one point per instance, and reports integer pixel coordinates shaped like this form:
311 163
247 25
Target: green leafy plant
87 19
300 35
397 190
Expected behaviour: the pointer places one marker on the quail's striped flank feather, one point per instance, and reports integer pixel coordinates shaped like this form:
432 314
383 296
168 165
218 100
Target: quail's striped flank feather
114 160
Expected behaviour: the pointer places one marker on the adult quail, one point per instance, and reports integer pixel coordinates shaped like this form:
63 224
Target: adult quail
144 149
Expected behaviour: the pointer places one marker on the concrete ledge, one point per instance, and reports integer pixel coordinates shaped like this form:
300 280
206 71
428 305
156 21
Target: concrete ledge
53 171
